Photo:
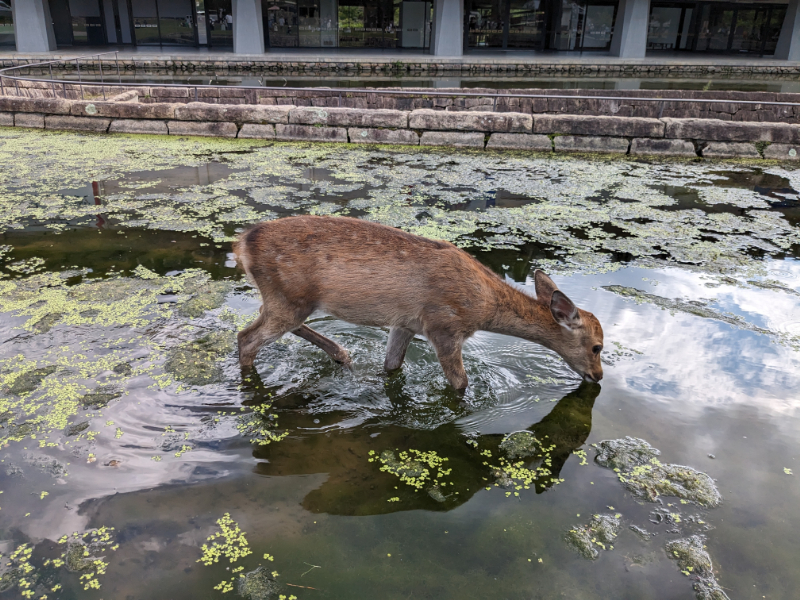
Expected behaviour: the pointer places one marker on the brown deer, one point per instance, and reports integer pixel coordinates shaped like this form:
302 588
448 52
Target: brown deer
370 274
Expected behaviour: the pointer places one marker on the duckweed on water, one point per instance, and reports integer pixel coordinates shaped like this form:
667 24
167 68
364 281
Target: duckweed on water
636 464
695 563
599 533
416 469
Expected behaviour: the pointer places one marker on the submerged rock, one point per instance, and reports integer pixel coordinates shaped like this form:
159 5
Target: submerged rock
411 469
258 585
589 538
435 492
520 444
205 297
30 380
77 557
123 369
695 563
642 533
100 397
638 468
46 464
76 428
196 362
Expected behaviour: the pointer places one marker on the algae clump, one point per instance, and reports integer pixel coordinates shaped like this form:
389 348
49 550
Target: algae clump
638 468
30 380
520 444
695 563
599 531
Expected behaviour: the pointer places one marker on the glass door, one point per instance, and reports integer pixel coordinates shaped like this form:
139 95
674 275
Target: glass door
598 26
6 24
526 24
740 28
218 15
164 22
86 17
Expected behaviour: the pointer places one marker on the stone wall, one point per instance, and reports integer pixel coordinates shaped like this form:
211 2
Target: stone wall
635 135
726 106
429 65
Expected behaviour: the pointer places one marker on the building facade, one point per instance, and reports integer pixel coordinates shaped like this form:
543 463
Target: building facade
627 28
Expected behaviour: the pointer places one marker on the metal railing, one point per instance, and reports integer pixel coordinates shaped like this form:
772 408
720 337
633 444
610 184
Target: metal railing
103 84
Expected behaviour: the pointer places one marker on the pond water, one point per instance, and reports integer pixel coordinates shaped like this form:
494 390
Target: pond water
129 439
763 83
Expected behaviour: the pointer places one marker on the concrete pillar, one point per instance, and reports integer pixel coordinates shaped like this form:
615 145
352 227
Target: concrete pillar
448 28
789 41
630 29
248 28
33 26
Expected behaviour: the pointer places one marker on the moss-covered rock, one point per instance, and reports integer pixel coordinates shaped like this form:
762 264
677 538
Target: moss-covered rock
695 563
258 585
205 297
520 444
30 380
597 534
638 468
100 397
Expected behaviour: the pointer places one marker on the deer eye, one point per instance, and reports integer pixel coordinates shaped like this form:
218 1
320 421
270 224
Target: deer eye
596 349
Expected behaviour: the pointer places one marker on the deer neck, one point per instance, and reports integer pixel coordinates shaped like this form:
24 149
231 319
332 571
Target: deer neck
519 315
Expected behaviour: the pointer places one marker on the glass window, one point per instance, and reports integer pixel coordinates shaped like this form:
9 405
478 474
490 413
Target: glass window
282 24
662 33
751 25
526 24
686 32
598 26
776 18
6 24
715 28
176 22
219 32
145 22
485 24
87 22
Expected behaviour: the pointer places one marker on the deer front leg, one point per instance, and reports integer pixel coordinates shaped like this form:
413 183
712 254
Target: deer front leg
399 339
260 332
334 350
448 350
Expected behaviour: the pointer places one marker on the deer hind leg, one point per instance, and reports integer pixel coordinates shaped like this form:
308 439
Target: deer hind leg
334 350
448 350
399 339
264 330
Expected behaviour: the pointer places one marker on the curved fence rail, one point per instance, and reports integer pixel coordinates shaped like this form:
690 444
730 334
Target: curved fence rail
10 84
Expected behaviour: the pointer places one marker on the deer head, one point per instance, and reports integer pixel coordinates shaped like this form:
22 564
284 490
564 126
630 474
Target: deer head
575 334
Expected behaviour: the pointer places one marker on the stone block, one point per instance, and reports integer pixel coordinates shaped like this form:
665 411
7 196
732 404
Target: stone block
213 129
662 147
452 138
310 133
575 143
730 150
717 130
32 120
349 117
439 120
168 92
6 119
138 126
129 96
156 110
383 136
77 123
599 126
782 151
257 132
236 113
519 141
50 106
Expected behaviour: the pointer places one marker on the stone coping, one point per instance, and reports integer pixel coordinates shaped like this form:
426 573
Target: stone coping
472 129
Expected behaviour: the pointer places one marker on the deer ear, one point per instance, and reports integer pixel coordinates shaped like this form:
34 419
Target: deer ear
564 310
544 287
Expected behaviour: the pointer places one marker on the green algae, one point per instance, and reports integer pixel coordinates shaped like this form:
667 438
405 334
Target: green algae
637 466
520 444
695 562
416 468
28 381
598 534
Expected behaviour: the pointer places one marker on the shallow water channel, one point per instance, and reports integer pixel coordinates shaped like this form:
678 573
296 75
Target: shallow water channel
138 463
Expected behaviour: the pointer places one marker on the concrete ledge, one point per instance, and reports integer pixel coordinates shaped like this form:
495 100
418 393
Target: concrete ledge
782 151
50 106
309 133
349 117
456 140
662 147
254 131
470 121
717 130
77 123
202 129
730 150
138 126
6 119
32 120
236 113
604 126
574 143
519 141
383 136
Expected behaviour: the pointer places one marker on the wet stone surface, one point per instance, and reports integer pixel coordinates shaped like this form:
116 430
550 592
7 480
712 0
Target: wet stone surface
122 404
